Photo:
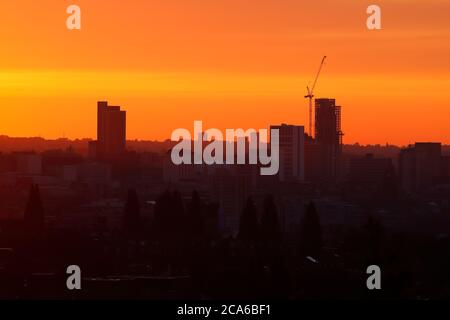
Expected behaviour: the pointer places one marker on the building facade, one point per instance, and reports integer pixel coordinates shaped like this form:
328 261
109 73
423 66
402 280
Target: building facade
420 166
328 135
292 152
111 131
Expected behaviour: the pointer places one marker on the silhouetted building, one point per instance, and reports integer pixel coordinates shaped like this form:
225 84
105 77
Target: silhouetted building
292 152
371 178
446 168
313 167
7 163
29 163
184 176
329 135
369 170
420 166
111 132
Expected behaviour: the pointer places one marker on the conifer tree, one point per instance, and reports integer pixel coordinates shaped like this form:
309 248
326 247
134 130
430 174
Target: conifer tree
132 215
270 226
311 233
248 227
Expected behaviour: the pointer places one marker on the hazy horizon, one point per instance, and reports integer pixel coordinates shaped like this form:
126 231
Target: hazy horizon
81 139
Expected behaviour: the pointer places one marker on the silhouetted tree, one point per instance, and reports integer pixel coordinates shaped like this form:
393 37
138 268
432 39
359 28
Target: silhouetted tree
132 215
196 253
195 218
311 233
160 219
210 219
169 229
178 222
277 279
169 220
34 212
248 227
270 226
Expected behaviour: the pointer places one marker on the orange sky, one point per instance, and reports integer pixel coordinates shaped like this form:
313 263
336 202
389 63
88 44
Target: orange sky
230 63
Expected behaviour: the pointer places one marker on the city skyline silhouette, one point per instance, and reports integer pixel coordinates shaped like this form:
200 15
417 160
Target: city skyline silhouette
242 68
124 174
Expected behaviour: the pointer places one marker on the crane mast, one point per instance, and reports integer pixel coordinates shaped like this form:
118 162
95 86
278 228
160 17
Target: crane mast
310 94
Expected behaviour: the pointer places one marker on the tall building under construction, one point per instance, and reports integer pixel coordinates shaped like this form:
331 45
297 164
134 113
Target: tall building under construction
328 136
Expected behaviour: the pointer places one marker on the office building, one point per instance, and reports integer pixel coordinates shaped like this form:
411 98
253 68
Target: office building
29 163
420 166
328 135
292 152
111 132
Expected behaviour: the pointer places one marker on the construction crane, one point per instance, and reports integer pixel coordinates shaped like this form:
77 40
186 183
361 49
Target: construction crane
310 94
